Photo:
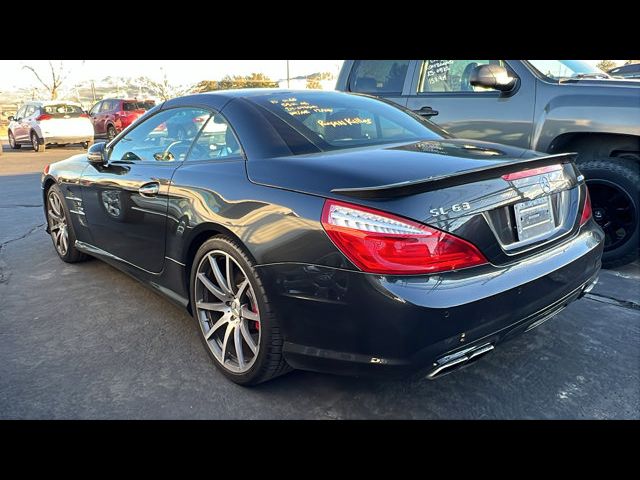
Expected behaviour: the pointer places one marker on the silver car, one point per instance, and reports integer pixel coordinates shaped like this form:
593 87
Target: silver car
42 123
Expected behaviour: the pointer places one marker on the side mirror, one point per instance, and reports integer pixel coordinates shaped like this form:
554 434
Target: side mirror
97 154
11 118
492 76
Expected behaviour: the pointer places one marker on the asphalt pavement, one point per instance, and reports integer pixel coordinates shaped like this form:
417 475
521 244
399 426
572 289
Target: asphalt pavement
86 341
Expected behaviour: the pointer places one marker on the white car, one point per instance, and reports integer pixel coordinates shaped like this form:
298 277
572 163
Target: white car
41 123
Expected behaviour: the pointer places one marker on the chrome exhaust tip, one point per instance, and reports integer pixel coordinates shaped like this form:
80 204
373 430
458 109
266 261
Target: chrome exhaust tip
456 360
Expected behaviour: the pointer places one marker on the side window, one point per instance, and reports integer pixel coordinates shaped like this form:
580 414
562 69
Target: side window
20 113
450 75
378 76
216 140
96 108
106 106
164 137
30 110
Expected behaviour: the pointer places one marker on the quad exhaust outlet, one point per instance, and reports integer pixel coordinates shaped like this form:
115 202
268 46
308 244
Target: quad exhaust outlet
456 360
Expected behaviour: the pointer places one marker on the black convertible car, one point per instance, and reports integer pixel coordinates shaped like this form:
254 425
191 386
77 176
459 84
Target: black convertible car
328 231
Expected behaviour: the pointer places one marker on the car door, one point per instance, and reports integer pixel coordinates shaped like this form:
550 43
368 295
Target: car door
103 114
30 114
18 128
125 201
389 79
440 89
93 114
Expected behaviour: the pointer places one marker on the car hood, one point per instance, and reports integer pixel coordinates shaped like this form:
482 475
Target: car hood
325 173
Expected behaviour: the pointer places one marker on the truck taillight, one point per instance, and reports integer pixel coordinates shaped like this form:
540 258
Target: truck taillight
586 209
42 117
378 242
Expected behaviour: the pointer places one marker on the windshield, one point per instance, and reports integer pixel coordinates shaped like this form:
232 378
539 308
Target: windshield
333 121
558 69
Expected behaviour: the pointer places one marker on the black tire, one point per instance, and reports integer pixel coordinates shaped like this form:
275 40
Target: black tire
111 133
37 143
72 255
12 141
615 180
270 361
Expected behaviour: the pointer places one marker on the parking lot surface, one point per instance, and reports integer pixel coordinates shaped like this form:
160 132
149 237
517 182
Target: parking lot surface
86 341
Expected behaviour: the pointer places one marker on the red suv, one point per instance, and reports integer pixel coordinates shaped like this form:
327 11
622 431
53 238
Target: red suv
112 115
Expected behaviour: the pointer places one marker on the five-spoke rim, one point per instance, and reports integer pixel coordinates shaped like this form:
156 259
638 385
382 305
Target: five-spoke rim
34 141
227 310
58 224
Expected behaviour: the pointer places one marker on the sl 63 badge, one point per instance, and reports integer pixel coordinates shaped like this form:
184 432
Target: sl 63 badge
456 207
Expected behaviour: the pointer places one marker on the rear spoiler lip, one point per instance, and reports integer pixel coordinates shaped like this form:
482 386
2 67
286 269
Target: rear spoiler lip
402 189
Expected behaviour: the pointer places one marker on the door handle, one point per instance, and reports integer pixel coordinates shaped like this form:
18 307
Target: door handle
426 112
149 189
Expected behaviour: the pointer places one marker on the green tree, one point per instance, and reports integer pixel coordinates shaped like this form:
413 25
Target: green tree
605 65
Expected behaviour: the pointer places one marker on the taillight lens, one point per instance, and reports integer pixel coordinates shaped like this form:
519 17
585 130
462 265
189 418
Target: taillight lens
378 242
586 210
84 115
46 169
42 117
531 172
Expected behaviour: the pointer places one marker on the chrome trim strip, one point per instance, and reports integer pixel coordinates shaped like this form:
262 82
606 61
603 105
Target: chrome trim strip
75 199
175 261
77 212
139 209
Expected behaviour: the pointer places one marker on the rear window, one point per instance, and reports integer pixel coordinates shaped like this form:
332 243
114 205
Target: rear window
130 106
62 110
378 76
332 121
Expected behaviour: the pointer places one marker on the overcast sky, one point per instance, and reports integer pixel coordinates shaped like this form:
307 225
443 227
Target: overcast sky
181 72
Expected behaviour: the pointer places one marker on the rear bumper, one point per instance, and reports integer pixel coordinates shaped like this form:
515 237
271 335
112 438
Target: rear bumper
69 139
359 324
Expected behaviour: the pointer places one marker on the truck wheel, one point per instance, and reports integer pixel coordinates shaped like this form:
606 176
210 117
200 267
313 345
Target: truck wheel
614 187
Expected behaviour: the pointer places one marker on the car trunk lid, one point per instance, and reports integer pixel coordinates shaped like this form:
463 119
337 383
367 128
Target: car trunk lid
474 190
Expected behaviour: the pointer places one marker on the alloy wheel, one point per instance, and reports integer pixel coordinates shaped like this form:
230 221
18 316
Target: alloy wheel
12 141
57 224
111 133
227 311
34 141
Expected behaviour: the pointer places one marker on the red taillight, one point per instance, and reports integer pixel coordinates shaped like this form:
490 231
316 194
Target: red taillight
531 172
84 115
378 242
46 169
42 117
586 209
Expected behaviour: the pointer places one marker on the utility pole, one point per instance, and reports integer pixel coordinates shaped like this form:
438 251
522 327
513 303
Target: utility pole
288 85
